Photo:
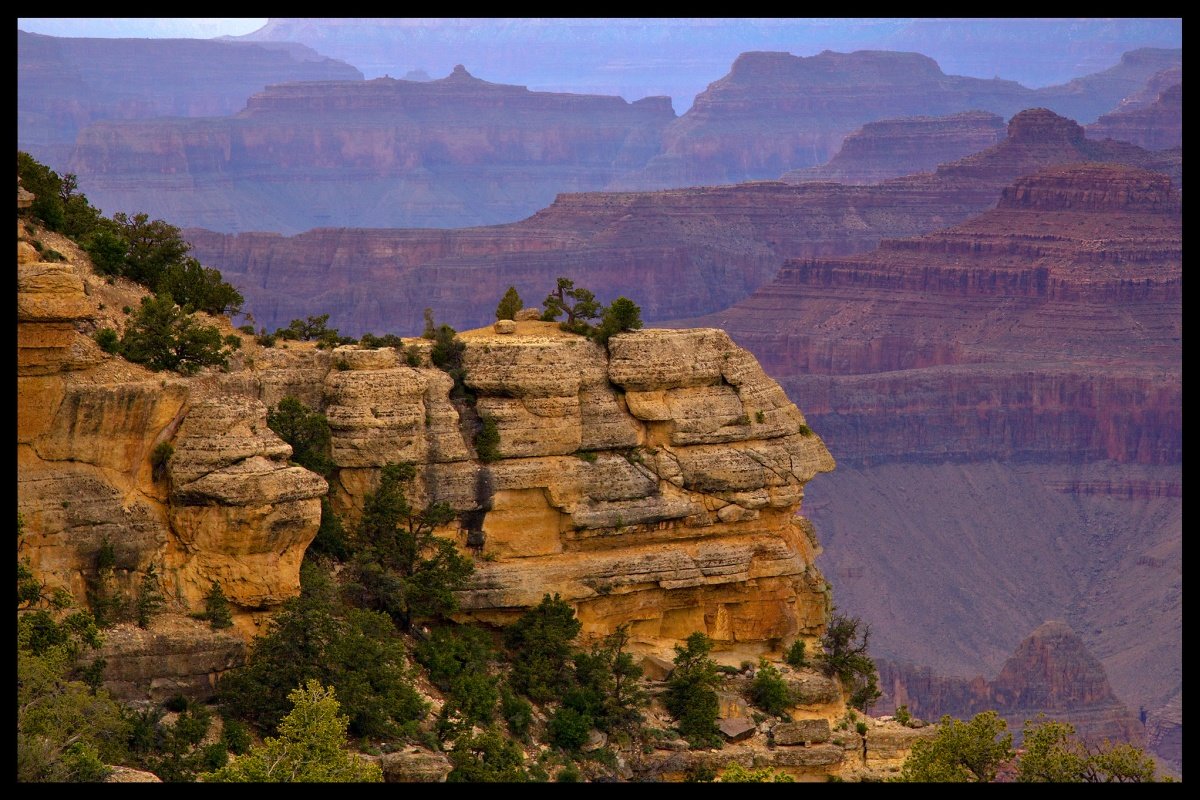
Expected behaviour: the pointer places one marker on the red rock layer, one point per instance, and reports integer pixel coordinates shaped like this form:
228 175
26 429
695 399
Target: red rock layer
1052 672
65 84
895 147
455 151
774 111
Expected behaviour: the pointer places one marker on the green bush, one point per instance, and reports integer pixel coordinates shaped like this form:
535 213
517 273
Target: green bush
517 712
235 736
331 538
217 609
306 431
961 752
452 650
265 339
509 305
150 599
769 691
108 340
845 656
795 655
691 696
569 729
246 329
902 715
163 336
540 648
487 757
160 459
233 341
487 441
621 315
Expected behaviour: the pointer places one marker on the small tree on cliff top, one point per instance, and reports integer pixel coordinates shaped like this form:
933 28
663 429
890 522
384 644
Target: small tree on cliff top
510 304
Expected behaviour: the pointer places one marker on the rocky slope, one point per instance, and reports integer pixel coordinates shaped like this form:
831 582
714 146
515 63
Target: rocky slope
675 253
1004 396
63 85
454 151
1050 673
895 147
774 111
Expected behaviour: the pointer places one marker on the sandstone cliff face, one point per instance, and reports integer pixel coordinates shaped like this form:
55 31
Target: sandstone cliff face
1051 673
895 147
774 111
64 84
454 151
654 482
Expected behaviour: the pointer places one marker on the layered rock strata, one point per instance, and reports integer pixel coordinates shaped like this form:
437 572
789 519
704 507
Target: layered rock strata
65 84
1157 125
675 253
895 147
385 152
774 111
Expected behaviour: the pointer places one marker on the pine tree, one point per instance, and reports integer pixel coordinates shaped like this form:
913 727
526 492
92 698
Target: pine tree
217 609
510 304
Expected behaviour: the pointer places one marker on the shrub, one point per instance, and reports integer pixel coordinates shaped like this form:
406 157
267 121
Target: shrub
487 757
903 716
861 727
621 315
691 696
233 341
235 736
307 431
217 609
265 339
962 752
539 643
569 729
331 538
517 712
162 336
739 774
760 417
412 356
487 441
247 329
795 656
804 430
108 340
452 650
160 458
150 599
846 657
769 691
509 305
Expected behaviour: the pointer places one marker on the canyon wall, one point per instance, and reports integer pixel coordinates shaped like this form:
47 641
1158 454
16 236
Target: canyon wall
65 84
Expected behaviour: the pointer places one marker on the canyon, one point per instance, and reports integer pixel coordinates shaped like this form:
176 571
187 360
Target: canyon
1004 399
676 253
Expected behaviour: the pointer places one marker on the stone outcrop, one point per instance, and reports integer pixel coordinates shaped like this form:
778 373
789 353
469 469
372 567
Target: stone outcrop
1052 673
174 657
774 111
895 147
379 153
64 84
676 253
653 482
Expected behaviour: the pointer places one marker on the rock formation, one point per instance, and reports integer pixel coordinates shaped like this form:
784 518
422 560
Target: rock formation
1050 673
775 111
895 147
1005 401
676 253
454 151
64 84
654 482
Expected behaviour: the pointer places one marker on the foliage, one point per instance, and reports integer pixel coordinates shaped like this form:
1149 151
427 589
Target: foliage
795 655
235 736
66 729
310 747
198 287
108 340
164 336
176 753
56 202
962 752
487 441
621 315
401 566
307 431
451 651
569 728
739 774
160 457
578 304
331 538
373 342
517 712
103 596
150 599
691 696
314 328
1051 753
509 305
487 757
902 715
217 609
608 685
846 657
358 652
539 643
769 691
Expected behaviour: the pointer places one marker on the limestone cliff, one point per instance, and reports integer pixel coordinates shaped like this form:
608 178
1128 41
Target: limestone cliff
652 482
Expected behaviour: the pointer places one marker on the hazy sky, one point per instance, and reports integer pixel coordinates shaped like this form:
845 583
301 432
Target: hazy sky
141 27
